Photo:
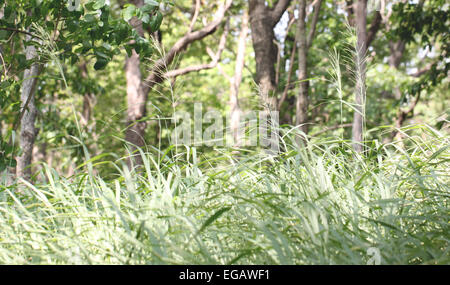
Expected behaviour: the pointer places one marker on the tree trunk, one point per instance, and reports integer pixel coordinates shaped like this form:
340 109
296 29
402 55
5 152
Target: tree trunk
349 7
265 51
395 58
88 99
28 131
236 80
397 49
136 98
304 43
301 112
262 21
360 92
88 104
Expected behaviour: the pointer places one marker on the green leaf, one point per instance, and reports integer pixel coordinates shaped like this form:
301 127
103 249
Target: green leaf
151 3
129 12
149 7
100 54
89 18
101 63
73 26
12 163
437 153
145 18
129 50
99 4
3 35
156 21
214 217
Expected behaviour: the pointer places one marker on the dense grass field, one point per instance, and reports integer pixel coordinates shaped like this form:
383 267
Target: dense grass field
321 204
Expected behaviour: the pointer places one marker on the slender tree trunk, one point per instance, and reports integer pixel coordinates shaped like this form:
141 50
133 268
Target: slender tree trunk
301 112
136 97
6 176
28 131
88 104
40 155
304 43
2 63
136 100
349 7
397 48
361 45
236 80
88 99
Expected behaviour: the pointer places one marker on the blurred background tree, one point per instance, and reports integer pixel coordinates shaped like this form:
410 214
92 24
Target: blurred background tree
172 54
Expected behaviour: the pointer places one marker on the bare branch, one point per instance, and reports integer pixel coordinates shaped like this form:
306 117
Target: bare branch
248 68
422 71
194 18
402 116
215 59
224 74
350 8
313 23
5 70
21 31
277 68
278 11
157 73
374 27
291 68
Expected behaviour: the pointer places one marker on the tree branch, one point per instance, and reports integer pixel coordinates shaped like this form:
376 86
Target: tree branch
224 74
313 23
215 59
20 31
277 68
291 68
349 7
374 27
422 71
402 116
194 18
157 74
278 10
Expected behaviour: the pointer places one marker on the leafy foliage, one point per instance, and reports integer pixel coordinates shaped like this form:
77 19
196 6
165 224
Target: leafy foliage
425 24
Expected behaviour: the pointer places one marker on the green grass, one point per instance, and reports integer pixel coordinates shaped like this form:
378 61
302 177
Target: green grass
318 205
